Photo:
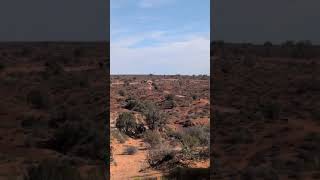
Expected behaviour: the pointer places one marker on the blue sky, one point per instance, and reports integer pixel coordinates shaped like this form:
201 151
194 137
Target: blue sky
160 36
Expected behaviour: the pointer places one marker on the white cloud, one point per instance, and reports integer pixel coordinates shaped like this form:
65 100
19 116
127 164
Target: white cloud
189 56
134 39
153 3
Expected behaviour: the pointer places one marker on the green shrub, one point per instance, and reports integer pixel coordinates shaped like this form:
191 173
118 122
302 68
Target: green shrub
195 136
135 105
154 118
126 122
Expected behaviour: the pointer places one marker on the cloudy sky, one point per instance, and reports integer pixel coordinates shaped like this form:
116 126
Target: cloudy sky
160 36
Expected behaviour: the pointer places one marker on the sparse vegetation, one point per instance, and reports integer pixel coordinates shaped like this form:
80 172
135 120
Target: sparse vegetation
162 111
154 118
156 157
50 105
53 170
153 138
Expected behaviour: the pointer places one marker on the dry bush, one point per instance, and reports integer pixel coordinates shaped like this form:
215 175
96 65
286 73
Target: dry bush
153 138
196 136
52 170
122 138
154 118
160 155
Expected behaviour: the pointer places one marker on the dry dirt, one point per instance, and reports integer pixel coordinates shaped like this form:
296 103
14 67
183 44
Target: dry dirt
265 114
46 88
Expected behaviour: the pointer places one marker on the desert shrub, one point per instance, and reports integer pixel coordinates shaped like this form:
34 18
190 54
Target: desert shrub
126 83
173 134
190 141
169 97
131 150
134 105
156 87
52 170
154 118
194 97
92 145
39 99
198 135
122 92
153 138
158 156
126 123
169 104
119 136
66 137
78 139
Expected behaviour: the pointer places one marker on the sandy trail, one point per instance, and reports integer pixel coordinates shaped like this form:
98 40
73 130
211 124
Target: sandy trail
129 166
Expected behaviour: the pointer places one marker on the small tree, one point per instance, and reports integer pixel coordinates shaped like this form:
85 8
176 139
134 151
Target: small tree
154 118
126 123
